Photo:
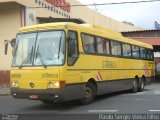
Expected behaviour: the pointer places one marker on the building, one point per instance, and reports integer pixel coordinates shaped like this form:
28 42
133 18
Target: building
18 13
151 37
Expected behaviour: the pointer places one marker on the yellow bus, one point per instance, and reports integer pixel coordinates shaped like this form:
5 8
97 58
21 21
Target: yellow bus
58 62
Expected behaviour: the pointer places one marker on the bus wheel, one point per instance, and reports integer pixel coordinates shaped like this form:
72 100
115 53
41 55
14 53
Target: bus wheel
135 86
141 86
89 94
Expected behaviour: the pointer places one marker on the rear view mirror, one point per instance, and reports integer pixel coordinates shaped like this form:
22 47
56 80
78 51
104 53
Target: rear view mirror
6 42
13 42
6 46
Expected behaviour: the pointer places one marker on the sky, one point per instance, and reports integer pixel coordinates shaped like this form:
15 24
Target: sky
140 14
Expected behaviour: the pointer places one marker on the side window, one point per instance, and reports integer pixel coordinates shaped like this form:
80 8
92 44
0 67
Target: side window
135 51
72 47
149 54
103 46
88 43
152 55
115 48
126 50
143 53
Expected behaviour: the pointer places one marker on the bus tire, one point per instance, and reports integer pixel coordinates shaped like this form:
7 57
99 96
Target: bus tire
89 94
141 86
135 86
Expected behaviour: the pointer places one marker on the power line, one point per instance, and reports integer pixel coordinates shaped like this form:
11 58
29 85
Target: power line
118 3
100 4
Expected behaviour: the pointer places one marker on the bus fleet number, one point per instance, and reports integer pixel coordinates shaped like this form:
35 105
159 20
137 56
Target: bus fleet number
48 75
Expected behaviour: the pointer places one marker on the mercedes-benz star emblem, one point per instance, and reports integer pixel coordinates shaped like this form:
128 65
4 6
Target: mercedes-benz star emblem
32 85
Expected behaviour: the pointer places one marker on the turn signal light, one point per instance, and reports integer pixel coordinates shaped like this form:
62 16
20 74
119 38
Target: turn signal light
57 84
62 84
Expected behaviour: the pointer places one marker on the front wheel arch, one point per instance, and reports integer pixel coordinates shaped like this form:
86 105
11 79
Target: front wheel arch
89 93
93 82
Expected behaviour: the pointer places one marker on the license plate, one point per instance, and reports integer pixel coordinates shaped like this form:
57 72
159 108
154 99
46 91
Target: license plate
33 97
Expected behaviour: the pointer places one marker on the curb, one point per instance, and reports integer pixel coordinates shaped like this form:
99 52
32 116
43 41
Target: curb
4 92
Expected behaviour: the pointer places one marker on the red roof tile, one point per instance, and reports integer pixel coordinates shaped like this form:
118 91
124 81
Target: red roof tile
149 40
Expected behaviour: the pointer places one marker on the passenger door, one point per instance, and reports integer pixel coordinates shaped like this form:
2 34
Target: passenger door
73 74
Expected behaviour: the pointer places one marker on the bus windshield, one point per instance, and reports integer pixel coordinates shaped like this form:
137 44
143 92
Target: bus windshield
41 48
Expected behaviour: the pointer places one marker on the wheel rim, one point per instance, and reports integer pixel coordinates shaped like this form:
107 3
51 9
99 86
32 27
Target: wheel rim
88 93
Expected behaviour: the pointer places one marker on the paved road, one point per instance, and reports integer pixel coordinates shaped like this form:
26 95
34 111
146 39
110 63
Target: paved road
123 102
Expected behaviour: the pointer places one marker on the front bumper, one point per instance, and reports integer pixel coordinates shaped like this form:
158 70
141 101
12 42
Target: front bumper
48 94
51 94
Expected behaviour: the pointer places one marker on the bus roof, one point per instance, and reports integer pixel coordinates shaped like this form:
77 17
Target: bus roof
85 28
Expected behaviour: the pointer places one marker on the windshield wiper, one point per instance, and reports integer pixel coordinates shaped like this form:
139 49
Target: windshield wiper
42 61
29 56
14 50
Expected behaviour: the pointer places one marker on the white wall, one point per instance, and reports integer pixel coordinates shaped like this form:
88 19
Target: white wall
10 22
156 54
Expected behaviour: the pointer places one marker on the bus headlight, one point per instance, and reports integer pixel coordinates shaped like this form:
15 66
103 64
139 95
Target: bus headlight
14 84
56 84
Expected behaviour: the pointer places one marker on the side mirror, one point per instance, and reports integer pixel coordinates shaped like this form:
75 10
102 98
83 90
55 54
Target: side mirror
6 42
13 42
6 46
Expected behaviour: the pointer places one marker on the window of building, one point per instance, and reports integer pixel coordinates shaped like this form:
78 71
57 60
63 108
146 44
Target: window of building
88 43
126 50
45 6
48 8
116 48
103 46
42 4
51 8
135 51
39 2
